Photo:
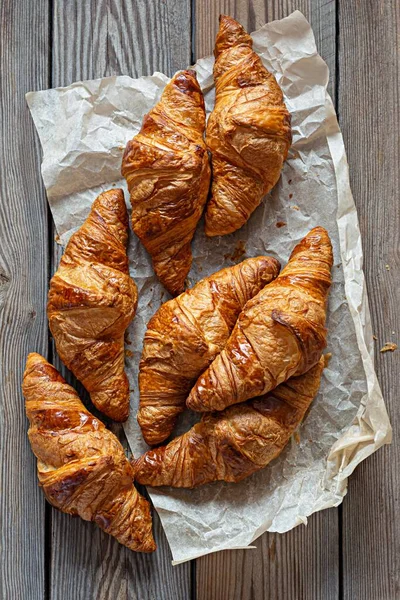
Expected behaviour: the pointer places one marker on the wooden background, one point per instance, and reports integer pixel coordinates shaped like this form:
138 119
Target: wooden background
347 553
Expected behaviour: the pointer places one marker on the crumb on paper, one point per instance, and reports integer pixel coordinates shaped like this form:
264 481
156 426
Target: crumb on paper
57 239
296 436
375 338
295 207
128 353
290 181
280 224
327 358
238 252
387 267
393 333
290 196
389 347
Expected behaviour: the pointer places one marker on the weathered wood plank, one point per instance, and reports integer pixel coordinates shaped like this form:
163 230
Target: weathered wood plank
23 277
96 39
369 68
305 562
301 564
113 37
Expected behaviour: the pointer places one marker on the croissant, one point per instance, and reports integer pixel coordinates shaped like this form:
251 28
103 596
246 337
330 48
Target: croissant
232 444
91 302
168 174
81 465
248 132
186 334
279 334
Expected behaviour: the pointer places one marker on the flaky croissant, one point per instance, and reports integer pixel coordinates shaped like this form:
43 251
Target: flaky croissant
232 444
91 302
248 132
168 174
186 334
279 334
81 465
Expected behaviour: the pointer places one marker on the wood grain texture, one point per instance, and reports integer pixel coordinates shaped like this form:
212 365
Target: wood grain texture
23 277
253 14
283 567
305 562
113 37
369 90
98 38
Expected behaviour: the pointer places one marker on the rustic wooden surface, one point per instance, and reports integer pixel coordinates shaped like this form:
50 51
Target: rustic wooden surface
48 555
23 283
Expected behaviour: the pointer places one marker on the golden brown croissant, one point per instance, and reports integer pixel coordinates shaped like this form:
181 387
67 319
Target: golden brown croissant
186 334
232 444
279 334
248 132
167 169
91 302
81 465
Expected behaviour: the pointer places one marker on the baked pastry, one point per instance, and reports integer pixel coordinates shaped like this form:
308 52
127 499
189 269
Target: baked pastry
186 334
81 465
232 444
167 170
91 302
279 334
248 132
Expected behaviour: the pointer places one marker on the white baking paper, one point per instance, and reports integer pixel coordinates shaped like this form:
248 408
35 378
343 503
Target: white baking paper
83 129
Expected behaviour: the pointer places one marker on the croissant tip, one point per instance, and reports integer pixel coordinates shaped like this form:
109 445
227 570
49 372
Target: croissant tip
34 360
35 356
186 81
149 547
113 198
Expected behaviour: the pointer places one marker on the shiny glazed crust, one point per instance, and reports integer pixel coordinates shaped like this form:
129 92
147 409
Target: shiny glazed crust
186 334
279 334
81 465
248 132
232 444
168 174
91 302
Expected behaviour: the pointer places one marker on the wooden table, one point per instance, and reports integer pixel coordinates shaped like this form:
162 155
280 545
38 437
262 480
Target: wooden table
347 553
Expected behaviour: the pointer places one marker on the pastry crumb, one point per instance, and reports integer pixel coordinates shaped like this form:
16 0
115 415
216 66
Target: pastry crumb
280 224
389 347
296 436
238 252
290 196
128 353
375 338
387 267
295 207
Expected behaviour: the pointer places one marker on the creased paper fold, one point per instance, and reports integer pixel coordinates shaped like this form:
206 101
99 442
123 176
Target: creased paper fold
83 129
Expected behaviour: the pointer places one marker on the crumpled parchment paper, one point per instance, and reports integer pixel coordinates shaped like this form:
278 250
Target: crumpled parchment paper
83 129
